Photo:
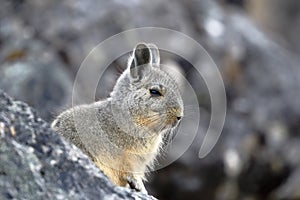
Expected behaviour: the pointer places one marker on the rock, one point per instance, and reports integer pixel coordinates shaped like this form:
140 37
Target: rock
31 70
36 163
75 27
46 87
277 17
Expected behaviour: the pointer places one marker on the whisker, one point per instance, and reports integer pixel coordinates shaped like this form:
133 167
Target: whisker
149 121
157 114
153 117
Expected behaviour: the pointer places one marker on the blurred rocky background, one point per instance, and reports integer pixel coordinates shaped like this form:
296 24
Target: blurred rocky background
254 43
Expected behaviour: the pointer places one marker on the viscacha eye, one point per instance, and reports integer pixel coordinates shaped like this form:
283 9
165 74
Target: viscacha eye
155 93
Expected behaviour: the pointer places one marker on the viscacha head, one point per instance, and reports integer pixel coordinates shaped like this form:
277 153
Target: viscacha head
150 95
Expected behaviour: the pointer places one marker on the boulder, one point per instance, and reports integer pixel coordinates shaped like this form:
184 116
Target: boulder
37 163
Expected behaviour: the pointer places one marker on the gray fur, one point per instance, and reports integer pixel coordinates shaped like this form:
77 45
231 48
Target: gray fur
123 134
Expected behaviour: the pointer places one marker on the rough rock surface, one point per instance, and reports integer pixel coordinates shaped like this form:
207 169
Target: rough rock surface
36 163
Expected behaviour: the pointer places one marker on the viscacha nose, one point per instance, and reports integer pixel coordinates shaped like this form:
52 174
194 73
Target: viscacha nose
176 113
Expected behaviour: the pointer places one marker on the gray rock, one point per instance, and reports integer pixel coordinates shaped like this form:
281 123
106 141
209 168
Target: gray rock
36 163
31 70
46 87
75 27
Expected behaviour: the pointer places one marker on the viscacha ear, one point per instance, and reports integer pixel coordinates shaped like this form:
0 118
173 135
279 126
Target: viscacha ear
141 58
154 55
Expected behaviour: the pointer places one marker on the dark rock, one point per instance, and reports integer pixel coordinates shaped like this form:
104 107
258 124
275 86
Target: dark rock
36 163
